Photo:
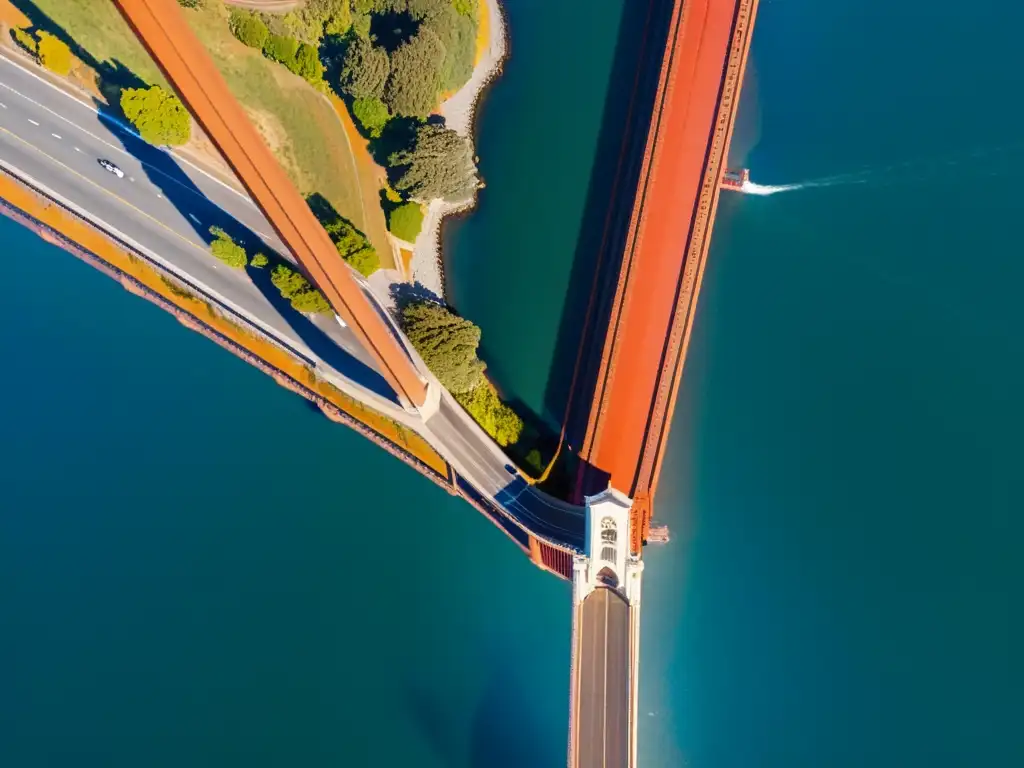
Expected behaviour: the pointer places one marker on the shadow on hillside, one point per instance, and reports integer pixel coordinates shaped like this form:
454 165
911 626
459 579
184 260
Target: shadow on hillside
599 247
165 173
112 76
200 212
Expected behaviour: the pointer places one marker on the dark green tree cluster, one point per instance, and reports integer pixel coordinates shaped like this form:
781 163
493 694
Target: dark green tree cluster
158 116
438 164
365 70
437 57
352 245
448 345
249 28
298 290
301 58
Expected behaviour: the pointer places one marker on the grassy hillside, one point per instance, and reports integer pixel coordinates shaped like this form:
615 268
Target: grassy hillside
296 121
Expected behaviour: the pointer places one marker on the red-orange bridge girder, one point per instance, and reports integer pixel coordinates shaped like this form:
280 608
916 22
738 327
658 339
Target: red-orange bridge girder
666 247
162 29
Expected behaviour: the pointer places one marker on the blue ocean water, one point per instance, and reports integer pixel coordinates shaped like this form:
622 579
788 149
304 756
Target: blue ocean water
197 568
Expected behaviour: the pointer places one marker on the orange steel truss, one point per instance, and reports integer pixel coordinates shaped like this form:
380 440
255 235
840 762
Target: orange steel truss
162 29
666 250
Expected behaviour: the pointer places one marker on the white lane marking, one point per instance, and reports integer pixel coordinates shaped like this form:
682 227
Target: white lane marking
33 121
55 135
122 126
77 149
3 105
193 217
159 195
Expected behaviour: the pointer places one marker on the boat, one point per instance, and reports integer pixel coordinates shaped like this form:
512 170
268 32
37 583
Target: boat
735 179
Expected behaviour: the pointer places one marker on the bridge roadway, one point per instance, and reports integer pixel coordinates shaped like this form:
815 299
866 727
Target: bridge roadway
166 206
602 698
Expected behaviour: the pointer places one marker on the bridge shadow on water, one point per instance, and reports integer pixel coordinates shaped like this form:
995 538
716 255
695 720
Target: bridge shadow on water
628 107
507 730
165 173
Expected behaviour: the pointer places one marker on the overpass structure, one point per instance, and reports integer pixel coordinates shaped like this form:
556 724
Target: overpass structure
642 328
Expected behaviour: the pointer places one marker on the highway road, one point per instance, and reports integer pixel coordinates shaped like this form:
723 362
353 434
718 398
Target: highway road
603 725
167 206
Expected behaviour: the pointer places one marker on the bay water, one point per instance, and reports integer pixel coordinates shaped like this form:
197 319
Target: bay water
197 568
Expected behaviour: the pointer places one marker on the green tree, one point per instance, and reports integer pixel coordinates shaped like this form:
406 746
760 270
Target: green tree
414 86
438 165
54 54
298 290
447 343
227 250
425 9
405 221
25 39
361 25
467 8
281 49
249 28
457 34
364 70
159 116
259 260
306 64
372 115
497 419
351 244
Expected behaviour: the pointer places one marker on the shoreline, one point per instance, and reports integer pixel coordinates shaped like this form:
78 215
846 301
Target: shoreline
459 112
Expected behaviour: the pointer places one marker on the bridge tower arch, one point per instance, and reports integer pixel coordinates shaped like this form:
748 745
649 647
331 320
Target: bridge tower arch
608 561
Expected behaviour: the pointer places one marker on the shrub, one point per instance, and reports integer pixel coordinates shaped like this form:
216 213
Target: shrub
414 86
495 417
297 289
438 165
226 249
351 244
159 116
364 70
405 221
372 115
192 3
466 7
281 49
249 28
54 54
447 343
25 39
259 260
306 64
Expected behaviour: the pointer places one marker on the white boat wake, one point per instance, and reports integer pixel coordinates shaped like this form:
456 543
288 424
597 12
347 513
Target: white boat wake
752 188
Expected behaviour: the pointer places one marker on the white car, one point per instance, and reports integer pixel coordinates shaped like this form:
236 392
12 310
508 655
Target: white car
109 166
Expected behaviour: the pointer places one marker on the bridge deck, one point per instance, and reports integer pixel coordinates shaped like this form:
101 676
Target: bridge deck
602 722
669 232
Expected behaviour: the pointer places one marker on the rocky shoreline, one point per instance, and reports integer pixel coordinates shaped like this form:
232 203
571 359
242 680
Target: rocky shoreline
427 264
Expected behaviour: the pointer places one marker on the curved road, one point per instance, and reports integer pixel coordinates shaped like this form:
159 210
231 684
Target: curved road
166 206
